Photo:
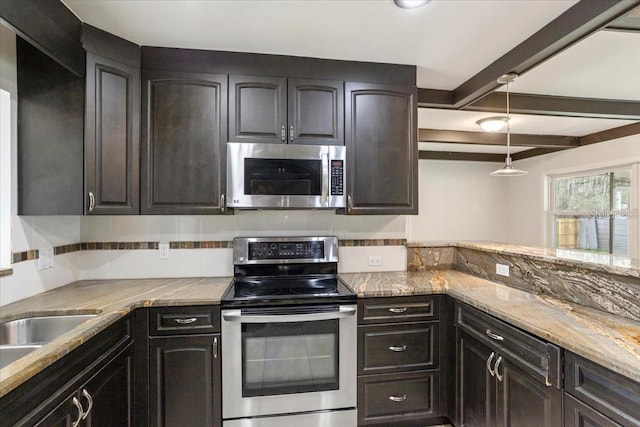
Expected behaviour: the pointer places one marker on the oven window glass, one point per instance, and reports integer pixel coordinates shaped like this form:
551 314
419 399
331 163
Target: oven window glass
285 358
282 177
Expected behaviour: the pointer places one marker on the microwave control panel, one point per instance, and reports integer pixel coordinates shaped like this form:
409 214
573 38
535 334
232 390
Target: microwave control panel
337 177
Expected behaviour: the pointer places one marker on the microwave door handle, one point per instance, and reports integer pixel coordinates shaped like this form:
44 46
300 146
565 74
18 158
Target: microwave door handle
325 178
237 316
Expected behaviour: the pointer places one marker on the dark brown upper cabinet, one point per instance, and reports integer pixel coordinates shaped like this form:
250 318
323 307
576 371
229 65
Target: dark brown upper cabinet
277 110
184 136
112 124
382 149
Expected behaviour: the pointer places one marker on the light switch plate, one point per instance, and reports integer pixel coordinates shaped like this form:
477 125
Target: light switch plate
163 248
45 258
502 270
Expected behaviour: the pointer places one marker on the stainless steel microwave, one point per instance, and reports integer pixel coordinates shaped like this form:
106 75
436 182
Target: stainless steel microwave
285 176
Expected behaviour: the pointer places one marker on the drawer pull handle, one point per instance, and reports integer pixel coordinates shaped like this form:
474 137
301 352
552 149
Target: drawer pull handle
495 368
494 336
398 310
186 321
398 348
489 359
398 398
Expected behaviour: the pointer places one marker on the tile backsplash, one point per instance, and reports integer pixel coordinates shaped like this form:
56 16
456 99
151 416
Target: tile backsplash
105 247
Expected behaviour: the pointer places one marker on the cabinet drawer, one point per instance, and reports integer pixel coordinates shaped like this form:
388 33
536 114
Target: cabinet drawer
612 394
393 348
397 309
540 359
577 414
184 320
388 399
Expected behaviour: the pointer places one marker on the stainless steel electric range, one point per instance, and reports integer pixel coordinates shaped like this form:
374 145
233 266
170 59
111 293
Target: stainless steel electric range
288 336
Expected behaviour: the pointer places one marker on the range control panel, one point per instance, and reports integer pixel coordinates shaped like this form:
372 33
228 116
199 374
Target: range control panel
286 250
337 178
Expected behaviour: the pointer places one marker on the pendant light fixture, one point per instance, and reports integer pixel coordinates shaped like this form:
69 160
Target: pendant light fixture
508 169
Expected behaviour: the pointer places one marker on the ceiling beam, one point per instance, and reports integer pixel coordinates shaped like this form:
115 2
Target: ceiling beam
535 152
522 103
576 23
488 138
453 155
609 134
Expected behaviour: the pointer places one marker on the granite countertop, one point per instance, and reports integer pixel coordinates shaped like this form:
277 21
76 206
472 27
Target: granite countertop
609 340
606 339
607 263
111 300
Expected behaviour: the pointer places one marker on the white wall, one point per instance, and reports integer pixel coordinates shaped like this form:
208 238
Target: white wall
527 196
460 201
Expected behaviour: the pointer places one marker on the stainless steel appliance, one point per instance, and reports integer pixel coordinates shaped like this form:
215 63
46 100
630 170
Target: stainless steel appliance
285 176
288 336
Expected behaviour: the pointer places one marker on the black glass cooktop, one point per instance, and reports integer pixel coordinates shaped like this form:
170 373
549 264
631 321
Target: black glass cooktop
286 290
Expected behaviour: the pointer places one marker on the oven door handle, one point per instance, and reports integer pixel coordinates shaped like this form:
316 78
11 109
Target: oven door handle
237 316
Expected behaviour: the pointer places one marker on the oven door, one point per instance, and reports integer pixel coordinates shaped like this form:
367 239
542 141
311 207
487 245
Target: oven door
287 360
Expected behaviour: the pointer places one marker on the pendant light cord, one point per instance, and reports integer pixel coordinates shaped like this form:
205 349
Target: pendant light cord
508 127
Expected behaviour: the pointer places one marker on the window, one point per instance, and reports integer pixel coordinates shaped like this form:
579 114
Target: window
591 211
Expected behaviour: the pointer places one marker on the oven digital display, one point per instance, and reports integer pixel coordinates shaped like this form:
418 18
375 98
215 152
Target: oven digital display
288 250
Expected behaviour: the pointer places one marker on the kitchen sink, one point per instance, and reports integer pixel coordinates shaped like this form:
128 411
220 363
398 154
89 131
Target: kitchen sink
39 330
22 336
11 353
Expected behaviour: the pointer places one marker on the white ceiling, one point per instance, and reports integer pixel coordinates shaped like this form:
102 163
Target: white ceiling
448 41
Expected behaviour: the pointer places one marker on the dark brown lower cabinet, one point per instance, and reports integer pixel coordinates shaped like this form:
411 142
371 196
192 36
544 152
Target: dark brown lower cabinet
184 381
598 397
91 386
501 394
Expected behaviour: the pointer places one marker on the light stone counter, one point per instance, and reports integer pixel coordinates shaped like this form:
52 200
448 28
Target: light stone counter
111 300
604 338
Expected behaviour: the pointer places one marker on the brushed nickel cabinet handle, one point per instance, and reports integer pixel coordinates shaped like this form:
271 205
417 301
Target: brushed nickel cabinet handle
398 398
398 310
489 359
494 336
495 368
92 201
283 133
398 348
186 321
87 396
78 405
222 203
349 204
215 348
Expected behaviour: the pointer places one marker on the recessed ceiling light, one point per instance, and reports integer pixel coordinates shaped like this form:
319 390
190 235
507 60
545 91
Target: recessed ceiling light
410 4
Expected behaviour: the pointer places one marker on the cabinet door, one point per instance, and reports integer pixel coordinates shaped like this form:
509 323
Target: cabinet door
525 402
476 387
382 149
316 112
112 129
110 393
184 381
257 109
64 415
183 150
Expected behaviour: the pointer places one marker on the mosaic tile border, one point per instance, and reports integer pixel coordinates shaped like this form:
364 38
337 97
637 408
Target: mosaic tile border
33 254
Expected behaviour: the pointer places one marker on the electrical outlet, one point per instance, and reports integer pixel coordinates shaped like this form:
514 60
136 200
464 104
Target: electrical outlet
163 248
502 270
45 258
375 261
